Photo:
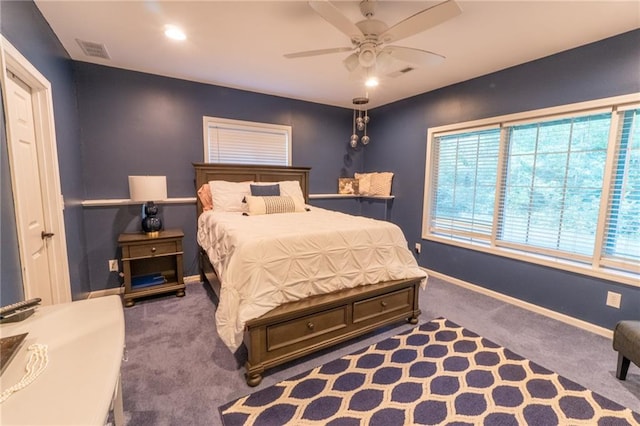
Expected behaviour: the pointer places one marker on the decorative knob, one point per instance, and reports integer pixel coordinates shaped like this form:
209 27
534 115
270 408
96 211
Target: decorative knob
153 249
383 304
310 325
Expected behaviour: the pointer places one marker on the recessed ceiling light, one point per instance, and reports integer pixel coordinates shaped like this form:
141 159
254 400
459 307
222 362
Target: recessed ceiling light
174 32
371 82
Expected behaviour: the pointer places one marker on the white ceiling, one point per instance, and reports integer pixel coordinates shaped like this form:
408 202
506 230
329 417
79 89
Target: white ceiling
241 44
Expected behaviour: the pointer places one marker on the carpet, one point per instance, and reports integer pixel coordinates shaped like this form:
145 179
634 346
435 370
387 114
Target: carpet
437 373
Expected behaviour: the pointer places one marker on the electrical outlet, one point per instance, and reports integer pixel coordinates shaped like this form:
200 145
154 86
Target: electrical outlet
418 247
113 265
614 299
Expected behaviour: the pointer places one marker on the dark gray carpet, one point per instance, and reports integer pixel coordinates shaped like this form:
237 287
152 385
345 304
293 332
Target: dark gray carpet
178 372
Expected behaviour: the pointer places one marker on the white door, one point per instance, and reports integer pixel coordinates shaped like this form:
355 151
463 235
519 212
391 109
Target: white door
27 186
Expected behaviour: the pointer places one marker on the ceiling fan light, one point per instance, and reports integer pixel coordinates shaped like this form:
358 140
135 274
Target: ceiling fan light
174 33
371 82
367 57
351 62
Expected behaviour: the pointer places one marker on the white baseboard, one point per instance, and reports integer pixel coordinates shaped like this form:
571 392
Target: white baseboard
525 305
191 279
105 292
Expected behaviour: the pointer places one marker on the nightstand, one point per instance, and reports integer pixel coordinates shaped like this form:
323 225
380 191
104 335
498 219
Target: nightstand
152 265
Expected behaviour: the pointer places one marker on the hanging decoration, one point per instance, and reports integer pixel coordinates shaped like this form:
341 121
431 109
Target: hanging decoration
360 121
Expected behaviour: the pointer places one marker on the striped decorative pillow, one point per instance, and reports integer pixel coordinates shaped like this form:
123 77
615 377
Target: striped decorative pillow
273 204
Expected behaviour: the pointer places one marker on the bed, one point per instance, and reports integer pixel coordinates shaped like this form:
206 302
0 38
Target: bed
301 321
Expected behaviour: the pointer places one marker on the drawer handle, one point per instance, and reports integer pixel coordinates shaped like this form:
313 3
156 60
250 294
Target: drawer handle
153 249
310 325
383 304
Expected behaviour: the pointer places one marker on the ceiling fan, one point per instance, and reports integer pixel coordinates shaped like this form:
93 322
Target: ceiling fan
370 36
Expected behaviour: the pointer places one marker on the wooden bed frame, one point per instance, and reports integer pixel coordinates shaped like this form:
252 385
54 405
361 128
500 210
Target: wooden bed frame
300 328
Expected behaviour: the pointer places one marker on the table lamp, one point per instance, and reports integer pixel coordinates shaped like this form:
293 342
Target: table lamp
149 189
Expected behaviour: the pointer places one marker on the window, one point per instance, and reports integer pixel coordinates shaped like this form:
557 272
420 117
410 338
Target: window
559 186
622 228
464 177
245 142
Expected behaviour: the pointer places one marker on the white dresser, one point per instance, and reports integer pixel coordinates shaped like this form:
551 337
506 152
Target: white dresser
85 342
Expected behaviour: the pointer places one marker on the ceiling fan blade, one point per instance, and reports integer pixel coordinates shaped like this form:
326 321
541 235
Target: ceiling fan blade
318 52
333 16
415 56
422 21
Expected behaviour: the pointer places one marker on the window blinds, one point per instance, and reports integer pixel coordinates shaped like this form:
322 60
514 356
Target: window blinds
464 173
235 142
553 184
622 227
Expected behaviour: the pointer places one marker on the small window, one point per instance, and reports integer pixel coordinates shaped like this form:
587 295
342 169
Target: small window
245 142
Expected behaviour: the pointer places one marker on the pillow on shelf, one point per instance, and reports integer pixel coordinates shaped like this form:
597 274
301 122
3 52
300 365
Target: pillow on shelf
376 183
227 196
381 184
273 205
204 195
265 190
364 182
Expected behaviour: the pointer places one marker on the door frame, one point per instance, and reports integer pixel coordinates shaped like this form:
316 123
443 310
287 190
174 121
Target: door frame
12 60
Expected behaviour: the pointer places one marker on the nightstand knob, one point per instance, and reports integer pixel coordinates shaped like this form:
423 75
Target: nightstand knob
153 249
310 325
383 304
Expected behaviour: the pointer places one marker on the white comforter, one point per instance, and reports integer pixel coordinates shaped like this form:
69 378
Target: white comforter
265 261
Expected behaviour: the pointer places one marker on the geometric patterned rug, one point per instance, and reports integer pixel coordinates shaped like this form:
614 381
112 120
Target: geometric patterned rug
436 374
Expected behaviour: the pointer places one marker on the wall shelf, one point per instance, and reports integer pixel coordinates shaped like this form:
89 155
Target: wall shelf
328 196
112 202
128 202
189 200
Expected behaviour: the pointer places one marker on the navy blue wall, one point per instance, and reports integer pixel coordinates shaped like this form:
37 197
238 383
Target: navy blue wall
608 68
25 28
135 123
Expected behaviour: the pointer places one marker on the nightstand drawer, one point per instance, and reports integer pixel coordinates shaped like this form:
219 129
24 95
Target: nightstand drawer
153 249
385 305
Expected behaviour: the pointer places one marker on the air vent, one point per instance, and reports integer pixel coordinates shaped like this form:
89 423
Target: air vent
95 50
400 72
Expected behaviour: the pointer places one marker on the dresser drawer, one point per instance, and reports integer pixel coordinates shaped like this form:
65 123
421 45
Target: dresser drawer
384 305
305 328
153 249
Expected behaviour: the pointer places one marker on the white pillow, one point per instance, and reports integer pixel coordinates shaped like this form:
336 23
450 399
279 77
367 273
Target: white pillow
381 184
377 183
273 204
364 182
228 196
291 188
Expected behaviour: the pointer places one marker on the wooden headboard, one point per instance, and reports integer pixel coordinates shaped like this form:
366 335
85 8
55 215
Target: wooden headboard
206 172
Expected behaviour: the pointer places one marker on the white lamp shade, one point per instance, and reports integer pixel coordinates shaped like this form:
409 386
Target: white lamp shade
148 188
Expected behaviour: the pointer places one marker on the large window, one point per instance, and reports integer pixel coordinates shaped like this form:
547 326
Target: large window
559 187
245 142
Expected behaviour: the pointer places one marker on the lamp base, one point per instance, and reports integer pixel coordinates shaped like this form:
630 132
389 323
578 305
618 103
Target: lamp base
151 223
